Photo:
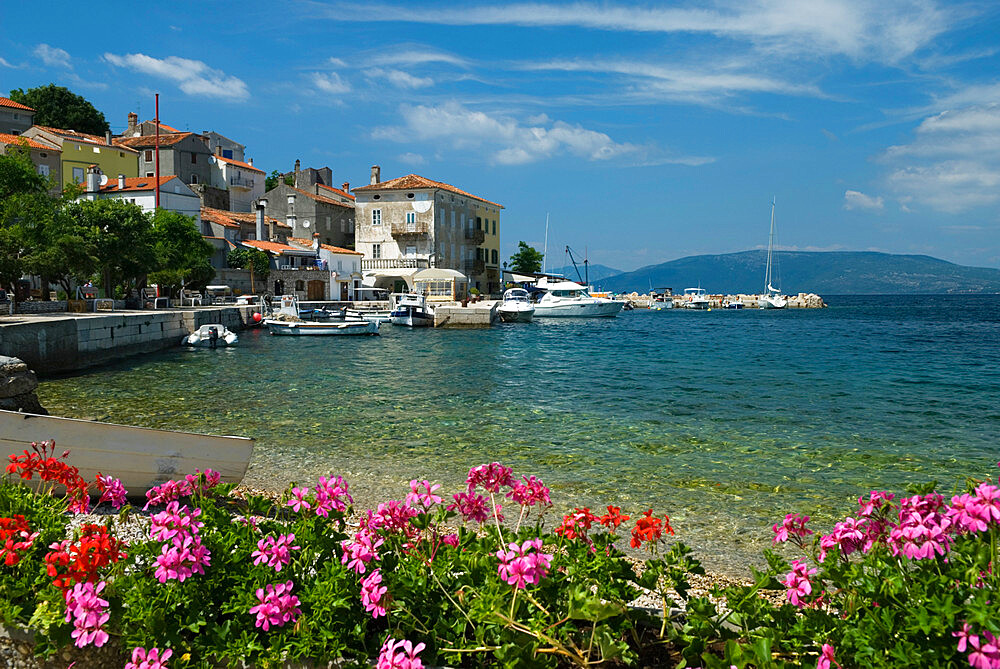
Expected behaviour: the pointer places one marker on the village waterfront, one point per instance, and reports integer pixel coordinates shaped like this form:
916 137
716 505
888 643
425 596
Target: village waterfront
725 420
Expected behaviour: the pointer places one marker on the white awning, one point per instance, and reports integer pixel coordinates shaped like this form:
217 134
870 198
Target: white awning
438 273
373 275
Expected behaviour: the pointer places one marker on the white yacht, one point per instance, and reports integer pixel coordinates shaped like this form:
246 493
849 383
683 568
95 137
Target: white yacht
516 306
694 298
571 300
771 298
412 311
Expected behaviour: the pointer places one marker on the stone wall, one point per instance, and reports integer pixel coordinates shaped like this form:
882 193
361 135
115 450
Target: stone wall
39 307
55 345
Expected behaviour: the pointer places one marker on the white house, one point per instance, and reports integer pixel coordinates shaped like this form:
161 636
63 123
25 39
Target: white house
174 193
343 264
244 182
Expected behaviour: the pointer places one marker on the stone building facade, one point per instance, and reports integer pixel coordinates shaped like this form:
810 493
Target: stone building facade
314 206
15 118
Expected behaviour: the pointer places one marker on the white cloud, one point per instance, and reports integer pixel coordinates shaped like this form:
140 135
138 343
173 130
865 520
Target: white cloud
862 30
6 63
398 78
416 56
336 62
192 76
411 158
330 82
857 200
510 142
53 56
953 162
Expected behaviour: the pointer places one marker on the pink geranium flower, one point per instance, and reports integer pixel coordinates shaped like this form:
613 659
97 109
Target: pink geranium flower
275 552
298 501
87 611
422 494
794 525
399 655
523 565
373 595
798 584
149 659
490 477
826 658
278 606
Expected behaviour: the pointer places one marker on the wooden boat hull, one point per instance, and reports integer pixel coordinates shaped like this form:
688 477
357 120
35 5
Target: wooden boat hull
330 328
140 457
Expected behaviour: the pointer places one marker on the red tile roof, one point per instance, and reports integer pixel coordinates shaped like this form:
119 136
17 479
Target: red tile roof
233 219
81 137
240 163
149 141
335 249
164 126
337 191
273 247
412 181
32 143
7 102
320 198
135 184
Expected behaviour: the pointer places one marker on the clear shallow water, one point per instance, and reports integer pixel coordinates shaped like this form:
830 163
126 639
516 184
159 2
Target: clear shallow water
725 420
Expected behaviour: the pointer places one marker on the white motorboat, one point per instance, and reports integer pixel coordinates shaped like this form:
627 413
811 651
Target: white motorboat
211 336
287 321
334 326
771 298
658 301
516 306
412 311
734 304
694 298
567 299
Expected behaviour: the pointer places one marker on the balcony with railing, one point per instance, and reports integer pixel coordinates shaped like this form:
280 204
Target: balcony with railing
240 181
411 230
475 235
405 262
473 267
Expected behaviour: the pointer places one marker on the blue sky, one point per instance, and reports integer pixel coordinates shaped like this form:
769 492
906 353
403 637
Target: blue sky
648 131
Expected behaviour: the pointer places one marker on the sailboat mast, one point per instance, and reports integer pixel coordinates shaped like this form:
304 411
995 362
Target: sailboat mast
545 248
770 250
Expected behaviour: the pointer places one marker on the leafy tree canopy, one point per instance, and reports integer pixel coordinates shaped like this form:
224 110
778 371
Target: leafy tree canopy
60 107
24 207
122 241
183 257
276 177
18 174
527 260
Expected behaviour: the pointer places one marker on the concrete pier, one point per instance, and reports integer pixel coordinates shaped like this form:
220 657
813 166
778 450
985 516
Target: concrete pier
454 315
56 343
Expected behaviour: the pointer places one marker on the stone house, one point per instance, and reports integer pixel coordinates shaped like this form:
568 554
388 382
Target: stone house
81 150
225 229
413 222
15 118
242 181
175 195
46 157
183 154
343 264
314 206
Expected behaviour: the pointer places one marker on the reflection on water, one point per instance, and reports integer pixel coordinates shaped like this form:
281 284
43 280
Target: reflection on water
724 420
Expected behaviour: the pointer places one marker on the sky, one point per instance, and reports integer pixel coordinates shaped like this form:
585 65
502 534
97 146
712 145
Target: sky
645 132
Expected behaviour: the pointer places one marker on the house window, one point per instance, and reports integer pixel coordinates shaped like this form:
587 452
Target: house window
149 174
376 217
479 222
148 157
194 177
494 230
121 154
494 256
340 266
43 170
300 285
194 157
96 150
411 251
227 153
328 227
78 175
411 221
376 251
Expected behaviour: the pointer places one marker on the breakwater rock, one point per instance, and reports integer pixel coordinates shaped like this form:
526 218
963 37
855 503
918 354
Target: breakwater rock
18 386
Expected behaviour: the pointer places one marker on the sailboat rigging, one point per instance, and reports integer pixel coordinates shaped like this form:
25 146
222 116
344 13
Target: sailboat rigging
771 298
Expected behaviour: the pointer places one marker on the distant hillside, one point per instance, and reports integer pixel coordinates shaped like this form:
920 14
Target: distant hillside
830 273
596 272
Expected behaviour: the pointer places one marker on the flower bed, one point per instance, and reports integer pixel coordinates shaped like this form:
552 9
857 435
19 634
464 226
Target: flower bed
221 580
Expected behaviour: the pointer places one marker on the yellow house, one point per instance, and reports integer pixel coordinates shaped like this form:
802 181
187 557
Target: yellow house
80 150
488 220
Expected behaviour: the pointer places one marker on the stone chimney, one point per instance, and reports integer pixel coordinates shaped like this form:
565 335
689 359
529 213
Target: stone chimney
133 121
93 179
325 175
261 206
121 182
250 162
346 187
107 138
376 174
218 150
298 165
316 243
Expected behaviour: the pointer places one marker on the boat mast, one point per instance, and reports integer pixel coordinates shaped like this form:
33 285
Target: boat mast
770 249
545 249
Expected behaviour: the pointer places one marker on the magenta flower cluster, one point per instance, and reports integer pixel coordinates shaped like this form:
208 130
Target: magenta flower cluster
924 528
374 595
490 477
201 481
331 495
798 584
983 648
362 550
182 553
153 658
523 565
399 655
422 494
473 507
530 491
278 606
88 613
112 490
275 551
794 525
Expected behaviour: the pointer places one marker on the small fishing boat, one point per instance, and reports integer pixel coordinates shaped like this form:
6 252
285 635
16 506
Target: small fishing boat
516 307
141 457
734 304
332 326
412 311
211 336
694 298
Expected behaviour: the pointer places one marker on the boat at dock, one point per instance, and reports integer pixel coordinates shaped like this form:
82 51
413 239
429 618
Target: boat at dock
211 336
771 298
516 306
694 298
734 304
287 321
567 299
141 457
411 310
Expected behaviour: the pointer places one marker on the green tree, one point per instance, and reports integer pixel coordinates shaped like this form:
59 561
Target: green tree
25 206
183 257
276 178
62 108
255 260
527 260
122 241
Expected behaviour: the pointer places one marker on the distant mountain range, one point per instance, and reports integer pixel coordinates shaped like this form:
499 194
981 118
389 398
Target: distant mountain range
596 272
829 273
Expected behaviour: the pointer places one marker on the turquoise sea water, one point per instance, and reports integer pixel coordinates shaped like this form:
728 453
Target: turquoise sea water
725 420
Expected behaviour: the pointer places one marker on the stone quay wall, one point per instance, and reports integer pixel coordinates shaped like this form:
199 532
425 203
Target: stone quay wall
55 344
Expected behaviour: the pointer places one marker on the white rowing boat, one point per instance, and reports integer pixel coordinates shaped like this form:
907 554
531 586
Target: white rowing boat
141 457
